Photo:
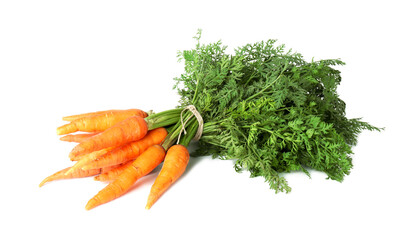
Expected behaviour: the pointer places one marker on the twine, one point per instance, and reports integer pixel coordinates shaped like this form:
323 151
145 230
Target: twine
198 117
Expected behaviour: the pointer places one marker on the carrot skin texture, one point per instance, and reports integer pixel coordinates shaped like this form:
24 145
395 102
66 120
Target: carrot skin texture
174 165
98 122
92 155
144 164
78 173
112 174
129 151
128 130
77 116
78 138
82 160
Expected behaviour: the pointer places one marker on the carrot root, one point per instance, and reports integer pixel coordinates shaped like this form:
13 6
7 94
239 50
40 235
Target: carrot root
98 122
78 138
78 173
129 151
128 130
144 164
88 158
175 163
112 174
78 116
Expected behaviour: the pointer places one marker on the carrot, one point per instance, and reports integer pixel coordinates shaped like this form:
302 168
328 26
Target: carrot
77 116
144 164
98 122
88 157
128 130
78 173
175 162
78 138
82 160
129 151
113 173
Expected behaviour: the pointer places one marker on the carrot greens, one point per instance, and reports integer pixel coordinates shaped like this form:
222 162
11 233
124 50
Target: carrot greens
270 109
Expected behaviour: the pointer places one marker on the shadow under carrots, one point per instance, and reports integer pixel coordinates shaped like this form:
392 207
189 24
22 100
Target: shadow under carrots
193 161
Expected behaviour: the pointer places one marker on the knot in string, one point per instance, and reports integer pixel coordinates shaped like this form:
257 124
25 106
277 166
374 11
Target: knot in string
198 117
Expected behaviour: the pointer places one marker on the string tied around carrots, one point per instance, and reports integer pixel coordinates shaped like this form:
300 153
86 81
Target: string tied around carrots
198 117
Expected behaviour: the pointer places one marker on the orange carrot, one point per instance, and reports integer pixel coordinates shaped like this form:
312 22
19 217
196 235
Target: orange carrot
174 165
113 173
144 164
77 116
78 173
128 151
82 160
98 122
129 130
92 155
78 138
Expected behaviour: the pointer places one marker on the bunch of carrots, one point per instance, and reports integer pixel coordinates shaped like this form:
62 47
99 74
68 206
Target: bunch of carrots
121 146
265 107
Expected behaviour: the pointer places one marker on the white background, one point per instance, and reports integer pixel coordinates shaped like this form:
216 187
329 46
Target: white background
59 58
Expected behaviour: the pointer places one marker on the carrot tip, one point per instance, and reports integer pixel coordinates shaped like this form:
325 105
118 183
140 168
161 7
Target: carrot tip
90 205
73 155
44 181
150 202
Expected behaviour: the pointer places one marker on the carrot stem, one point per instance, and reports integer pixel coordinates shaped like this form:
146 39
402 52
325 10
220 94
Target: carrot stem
163 119
172 137
191 131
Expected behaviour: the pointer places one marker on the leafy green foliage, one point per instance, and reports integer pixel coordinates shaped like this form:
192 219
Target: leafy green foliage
269 109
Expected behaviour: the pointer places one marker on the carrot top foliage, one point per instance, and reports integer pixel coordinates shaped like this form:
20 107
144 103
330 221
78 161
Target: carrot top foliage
269 109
